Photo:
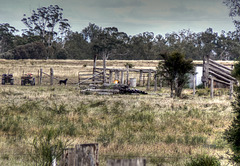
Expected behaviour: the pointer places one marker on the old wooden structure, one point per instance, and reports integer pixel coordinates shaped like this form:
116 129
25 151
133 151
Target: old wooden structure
81 155
146 77
217 75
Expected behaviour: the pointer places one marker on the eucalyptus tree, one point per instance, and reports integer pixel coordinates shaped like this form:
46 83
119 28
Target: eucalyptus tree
77 47
141 46
45 21
207 43
104 42
7 37
234 7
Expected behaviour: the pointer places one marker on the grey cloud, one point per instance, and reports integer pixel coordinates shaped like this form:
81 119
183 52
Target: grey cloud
115 3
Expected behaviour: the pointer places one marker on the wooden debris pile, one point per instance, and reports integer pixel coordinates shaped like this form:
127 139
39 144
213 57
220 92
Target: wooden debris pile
110 89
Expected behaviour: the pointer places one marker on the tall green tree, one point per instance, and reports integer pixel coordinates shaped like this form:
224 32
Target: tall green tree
45 21
175 69
234 7
7 37
77 47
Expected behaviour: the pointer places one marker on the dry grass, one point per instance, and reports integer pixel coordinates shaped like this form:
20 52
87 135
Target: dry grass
164 130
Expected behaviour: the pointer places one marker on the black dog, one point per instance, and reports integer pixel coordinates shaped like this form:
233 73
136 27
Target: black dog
63 81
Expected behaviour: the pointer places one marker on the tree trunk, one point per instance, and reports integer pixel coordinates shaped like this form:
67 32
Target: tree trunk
172 85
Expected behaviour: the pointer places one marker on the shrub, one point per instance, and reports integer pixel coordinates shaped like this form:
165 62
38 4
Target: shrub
46 145
203 160
232 134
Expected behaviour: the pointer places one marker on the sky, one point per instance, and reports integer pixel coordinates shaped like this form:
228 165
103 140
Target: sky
129 16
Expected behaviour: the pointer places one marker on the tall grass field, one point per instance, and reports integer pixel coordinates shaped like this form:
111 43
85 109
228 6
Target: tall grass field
163 130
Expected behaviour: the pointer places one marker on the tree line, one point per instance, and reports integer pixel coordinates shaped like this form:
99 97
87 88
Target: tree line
48 35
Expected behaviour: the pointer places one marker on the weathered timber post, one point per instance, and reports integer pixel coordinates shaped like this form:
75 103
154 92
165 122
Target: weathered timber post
122 77
141 78
40 78
149 80
110 76
194 84
94 67
231 90
127 74
205 71
81 155
155 81
51 76
116 75
212 88
104 68
160 82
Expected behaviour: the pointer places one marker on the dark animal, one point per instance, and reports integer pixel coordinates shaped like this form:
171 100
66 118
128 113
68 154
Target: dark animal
63 81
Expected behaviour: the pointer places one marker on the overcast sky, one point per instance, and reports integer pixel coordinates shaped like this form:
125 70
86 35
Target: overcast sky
130 16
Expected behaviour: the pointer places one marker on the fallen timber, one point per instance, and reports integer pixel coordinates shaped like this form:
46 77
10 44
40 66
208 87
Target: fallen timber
108 89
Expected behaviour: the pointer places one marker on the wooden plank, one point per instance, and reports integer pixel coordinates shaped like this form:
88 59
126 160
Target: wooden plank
219 76
85 75
220 65
220 68
222 82
222 74
102 90
130 70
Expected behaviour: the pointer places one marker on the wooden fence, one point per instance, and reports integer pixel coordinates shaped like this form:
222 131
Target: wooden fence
122 75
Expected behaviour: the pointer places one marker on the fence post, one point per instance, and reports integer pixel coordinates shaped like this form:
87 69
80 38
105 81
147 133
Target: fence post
155 81
149 80
110 76
122 77
231 90
194 84
127 74
40 78
160 82
116 75
51 76
140 77
212 88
